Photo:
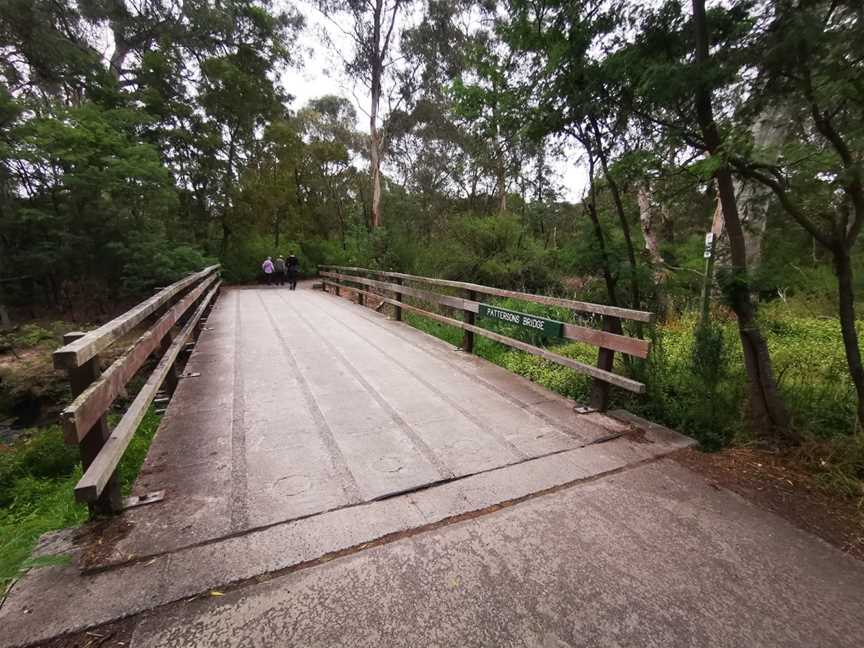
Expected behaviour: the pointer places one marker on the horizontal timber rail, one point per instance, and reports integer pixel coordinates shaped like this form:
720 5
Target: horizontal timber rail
365 282
178 306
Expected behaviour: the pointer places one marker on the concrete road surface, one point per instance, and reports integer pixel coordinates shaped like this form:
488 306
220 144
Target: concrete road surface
652 556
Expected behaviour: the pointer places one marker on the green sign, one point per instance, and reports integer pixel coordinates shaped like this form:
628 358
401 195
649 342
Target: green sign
549 328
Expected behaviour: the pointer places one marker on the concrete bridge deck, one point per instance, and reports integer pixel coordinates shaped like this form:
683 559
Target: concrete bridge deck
344 479
304 403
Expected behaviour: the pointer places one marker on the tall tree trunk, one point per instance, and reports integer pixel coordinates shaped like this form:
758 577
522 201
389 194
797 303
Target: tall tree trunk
591 208
648 223
846 294
226 190
375 136
768 412
375 175
769 130
500 177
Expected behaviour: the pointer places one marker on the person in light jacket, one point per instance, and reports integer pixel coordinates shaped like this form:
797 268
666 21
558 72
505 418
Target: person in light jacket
268 269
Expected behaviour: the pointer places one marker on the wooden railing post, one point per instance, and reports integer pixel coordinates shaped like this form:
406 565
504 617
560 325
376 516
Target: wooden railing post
468 318
111 500
361 298
398 314
605 361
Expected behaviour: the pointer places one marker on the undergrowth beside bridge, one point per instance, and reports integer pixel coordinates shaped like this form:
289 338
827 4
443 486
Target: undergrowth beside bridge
810 367
38 473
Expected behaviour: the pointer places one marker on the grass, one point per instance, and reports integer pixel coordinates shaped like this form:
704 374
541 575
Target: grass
37 476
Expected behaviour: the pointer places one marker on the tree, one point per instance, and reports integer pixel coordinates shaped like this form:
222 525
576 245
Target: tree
374 36
490 106
809 56
767 406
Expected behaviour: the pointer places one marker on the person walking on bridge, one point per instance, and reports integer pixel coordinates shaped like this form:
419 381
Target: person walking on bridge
267 267
280 270
293 265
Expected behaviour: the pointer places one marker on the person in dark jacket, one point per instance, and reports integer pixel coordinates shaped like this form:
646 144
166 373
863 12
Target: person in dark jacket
279 266
293 268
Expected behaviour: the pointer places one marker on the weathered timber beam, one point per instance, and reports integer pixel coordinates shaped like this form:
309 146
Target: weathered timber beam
80 351
594 372
586 307
91 404
622 343
90 485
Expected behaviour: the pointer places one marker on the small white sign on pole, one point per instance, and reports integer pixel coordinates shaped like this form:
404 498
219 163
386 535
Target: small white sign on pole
709 244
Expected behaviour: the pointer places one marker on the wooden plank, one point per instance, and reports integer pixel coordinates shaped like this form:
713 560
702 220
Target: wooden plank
80 351
444 300
469 317
97 475
80 378
91 404
606 340
594 372
605 360
622 343
586 307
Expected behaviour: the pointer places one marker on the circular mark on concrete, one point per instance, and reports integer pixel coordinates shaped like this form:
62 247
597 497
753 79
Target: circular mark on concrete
463 446
293 484
388 463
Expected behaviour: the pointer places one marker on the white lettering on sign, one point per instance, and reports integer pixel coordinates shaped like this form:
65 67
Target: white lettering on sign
504 315
545 326
533 322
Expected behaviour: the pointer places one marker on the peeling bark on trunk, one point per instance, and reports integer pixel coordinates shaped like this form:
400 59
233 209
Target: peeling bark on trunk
754 199
375 175
648 222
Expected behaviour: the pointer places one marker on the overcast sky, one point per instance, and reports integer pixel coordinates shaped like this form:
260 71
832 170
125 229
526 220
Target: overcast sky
322 73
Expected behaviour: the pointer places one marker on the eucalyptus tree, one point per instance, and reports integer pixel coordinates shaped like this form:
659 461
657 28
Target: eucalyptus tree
809 55
490 106
563 44
680 75
374 35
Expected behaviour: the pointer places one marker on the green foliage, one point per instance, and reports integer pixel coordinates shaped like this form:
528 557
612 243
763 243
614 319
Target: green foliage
28 336
37 476
42 455
492 250
695 375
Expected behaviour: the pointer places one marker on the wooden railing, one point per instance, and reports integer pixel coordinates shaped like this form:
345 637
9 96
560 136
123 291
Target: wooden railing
85 420
610 339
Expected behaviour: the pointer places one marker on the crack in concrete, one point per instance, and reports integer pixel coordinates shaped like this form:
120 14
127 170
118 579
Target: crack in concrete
239 484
